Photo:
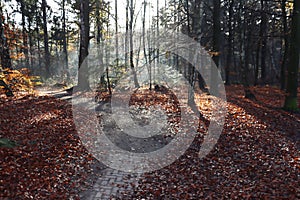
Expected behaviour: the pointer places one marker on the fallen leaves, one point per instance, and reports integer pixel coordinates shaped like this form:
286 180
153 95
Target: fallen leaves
256 157
50 162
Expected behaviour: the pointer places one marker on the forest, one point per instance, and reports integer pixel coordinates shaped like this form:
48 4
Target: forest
165 99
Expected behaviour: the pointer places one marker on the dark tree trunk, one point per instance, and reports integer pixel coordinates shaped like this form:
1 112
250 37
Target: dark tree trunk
293 67
38 38
4 48
230 44
246 44
99 39
83 82
24 33
285 46
65 44
263 37
46 39
216 42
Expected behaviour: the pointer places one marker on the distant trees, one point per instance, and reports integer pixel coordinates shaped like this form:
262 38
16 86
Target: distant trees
249 41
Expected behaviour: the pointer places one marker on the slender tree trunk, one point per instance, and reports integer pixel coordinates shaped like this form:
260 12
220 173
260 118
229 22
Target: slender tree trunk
24 33
38 38
107 58
30 43
117 32
245 37
230 43
46 40
216 30
216 42
65 44
131 44
144 30
293 67
285 46
127 33
144 43
150 50
263 37
257 65
99 39
157 32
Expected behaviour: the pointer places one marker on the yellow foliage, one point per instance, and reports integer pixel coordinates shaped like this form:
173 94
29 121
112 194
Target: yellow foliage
19 80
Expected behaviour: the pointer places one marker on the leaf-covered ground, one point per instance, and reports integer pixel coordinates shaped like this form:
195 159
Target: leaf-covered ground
257 155
49 161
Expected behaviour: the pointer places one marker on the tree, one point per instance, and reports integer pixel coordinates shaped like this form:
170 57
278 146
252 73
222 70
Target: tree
131 53
83 82
293 67
230 42
127 33
99 37
117 31
262 49
65 45
285 45
46 39
216 42
24 32
4 48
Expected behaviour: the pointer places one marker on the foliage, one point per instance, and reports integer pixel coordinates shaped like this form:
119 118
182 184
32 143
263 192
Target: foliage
19 80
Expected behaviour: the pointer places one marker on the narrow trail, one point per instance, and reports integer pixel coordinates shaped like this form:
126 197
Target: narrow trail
107 183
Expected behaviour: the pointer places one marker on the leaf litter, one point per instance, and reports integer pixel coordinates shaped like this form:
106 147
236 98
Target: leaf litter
257 154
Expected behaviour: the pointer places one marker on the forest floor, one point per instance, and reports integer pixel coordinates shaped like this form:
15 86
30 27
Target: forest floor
257 154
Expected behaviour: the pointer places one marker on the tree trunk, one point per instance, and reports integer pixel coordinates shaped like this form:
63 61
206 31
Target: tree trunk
291 103
38 38
107 56
46 40
4 48
24 34
99 39
117 32
65 45
131 44
285 46
216 43
83 82
230 44
127 33
263 37
157 33
245 37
